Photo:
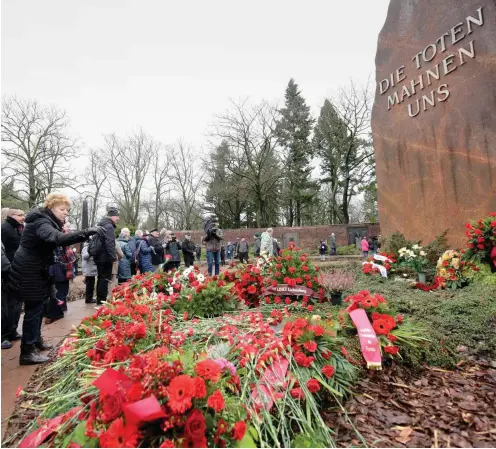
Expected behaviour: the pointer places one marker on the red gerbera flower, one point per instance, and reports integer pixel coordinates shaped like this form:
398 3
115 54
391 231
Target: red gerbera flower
181 391
381 326
369 301
209 370
393 350
120 435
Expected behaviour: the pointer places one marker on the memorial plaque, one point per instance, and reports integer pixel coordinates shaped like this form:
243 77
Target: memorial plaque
434 116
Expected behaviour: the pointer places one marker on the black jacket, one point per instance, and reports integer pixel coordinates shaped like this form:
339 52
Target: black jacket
158 255
172 249
29 277
188 247
108 253
11 237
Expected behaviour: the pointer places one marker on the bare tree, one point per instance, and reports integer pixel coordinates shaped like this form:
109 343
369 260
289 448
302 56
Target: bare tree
161 165
250 134
76 212
128 163
96 178
186 174
36 148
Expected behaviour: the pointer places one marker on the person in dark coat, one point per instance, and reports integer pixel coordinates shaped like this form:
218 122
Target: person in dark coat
145 255
133 245
29 278
107 256
256 244
158 249
124 269
222 254
6 325
11 238
198 252
322 250
62 272
172 250
188 248
12 231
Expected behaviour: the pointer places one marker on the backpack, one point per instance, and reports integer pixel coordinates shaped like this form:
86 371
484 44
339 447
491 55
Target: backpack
95 246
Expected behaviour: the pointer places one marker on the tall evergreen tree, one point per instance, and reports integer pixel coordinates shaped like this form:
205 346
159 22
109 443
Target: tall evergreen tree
293 130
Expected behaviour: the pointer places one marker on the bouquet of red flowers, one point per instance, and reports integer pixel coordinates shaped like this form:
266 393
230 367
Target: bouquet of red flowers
249 285
481 237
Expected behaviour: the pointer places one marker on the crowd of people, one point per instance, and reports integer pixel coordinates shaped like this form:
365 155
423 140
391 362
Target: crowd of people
39 261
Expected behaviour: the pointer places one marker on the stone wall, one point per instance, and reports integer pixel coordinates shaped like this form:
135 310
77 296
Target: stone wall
434 116
307 236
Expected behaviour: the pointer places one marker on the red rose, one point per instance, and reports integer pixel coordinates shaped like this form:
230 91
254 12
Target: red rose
328 371
239 430
216 401
195 427
287 301
313 385
112 407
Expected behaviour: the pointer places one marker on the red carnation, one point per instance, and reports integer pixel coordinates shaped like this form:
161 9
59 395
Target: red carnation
167 443
119 435
328 371
216 401
181 391
239 430
251 289
393 350
392 337
209 370
122 352
297 393
200 387
310 346
291 269
313 385
318 331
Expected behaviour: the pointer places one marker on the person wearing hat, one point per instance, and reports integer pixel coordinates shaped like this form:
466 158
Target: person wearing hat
172 251
105 259
256 244
158 249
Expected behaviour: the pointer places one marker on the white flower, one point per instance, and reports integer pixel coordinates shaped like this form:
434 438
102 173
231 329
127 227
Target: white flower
423 253
402 250
200 277
416 246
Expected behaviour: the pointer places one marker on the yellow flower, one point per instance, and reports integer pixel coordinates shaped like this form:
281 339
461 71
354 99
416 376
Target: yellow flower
455 263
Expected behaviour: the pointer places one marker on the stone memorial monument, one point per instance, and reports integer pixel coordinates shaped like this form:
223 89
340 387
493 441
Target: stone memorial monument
434 116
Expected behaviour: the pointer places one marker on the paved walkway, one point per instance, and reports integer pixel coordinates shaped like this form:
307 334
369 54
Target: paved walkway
14 375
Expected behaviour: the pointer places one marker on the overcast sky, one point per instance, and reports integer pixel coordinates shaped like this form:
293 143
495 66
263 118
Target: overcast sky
168 67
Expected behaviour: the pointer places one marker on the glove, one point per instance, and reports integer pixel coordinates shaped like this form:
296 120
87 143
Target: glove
92 231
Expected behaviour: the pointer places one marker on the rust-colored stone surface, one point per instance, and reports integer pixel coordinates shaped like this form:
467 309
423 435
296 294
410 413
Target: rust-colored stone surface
437 169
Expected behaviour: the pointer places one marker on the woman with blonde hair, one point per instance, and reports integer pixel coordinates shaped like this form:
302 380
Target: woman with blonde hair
29 279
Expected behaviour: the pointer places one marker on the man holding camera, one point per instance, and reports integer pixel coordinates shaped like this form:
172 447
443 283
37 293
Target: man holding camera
212 239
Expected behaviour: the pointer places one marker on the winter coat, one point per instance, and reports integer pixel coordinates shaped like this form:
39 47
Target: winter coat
229 250
275 247
108 253
188 247
322 249
333 241
266 244
256 246
158 255
243 247
212 242
59 269
145 256
29 278
373 245
5 265
172 249
133 246
11 236
124 270
365 245
89 266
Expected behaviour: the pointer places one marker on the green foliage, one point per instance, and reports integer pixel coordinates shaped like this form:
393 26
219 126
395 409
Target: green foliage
484 276
451 318
348 250
210 301
396 241
436 248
